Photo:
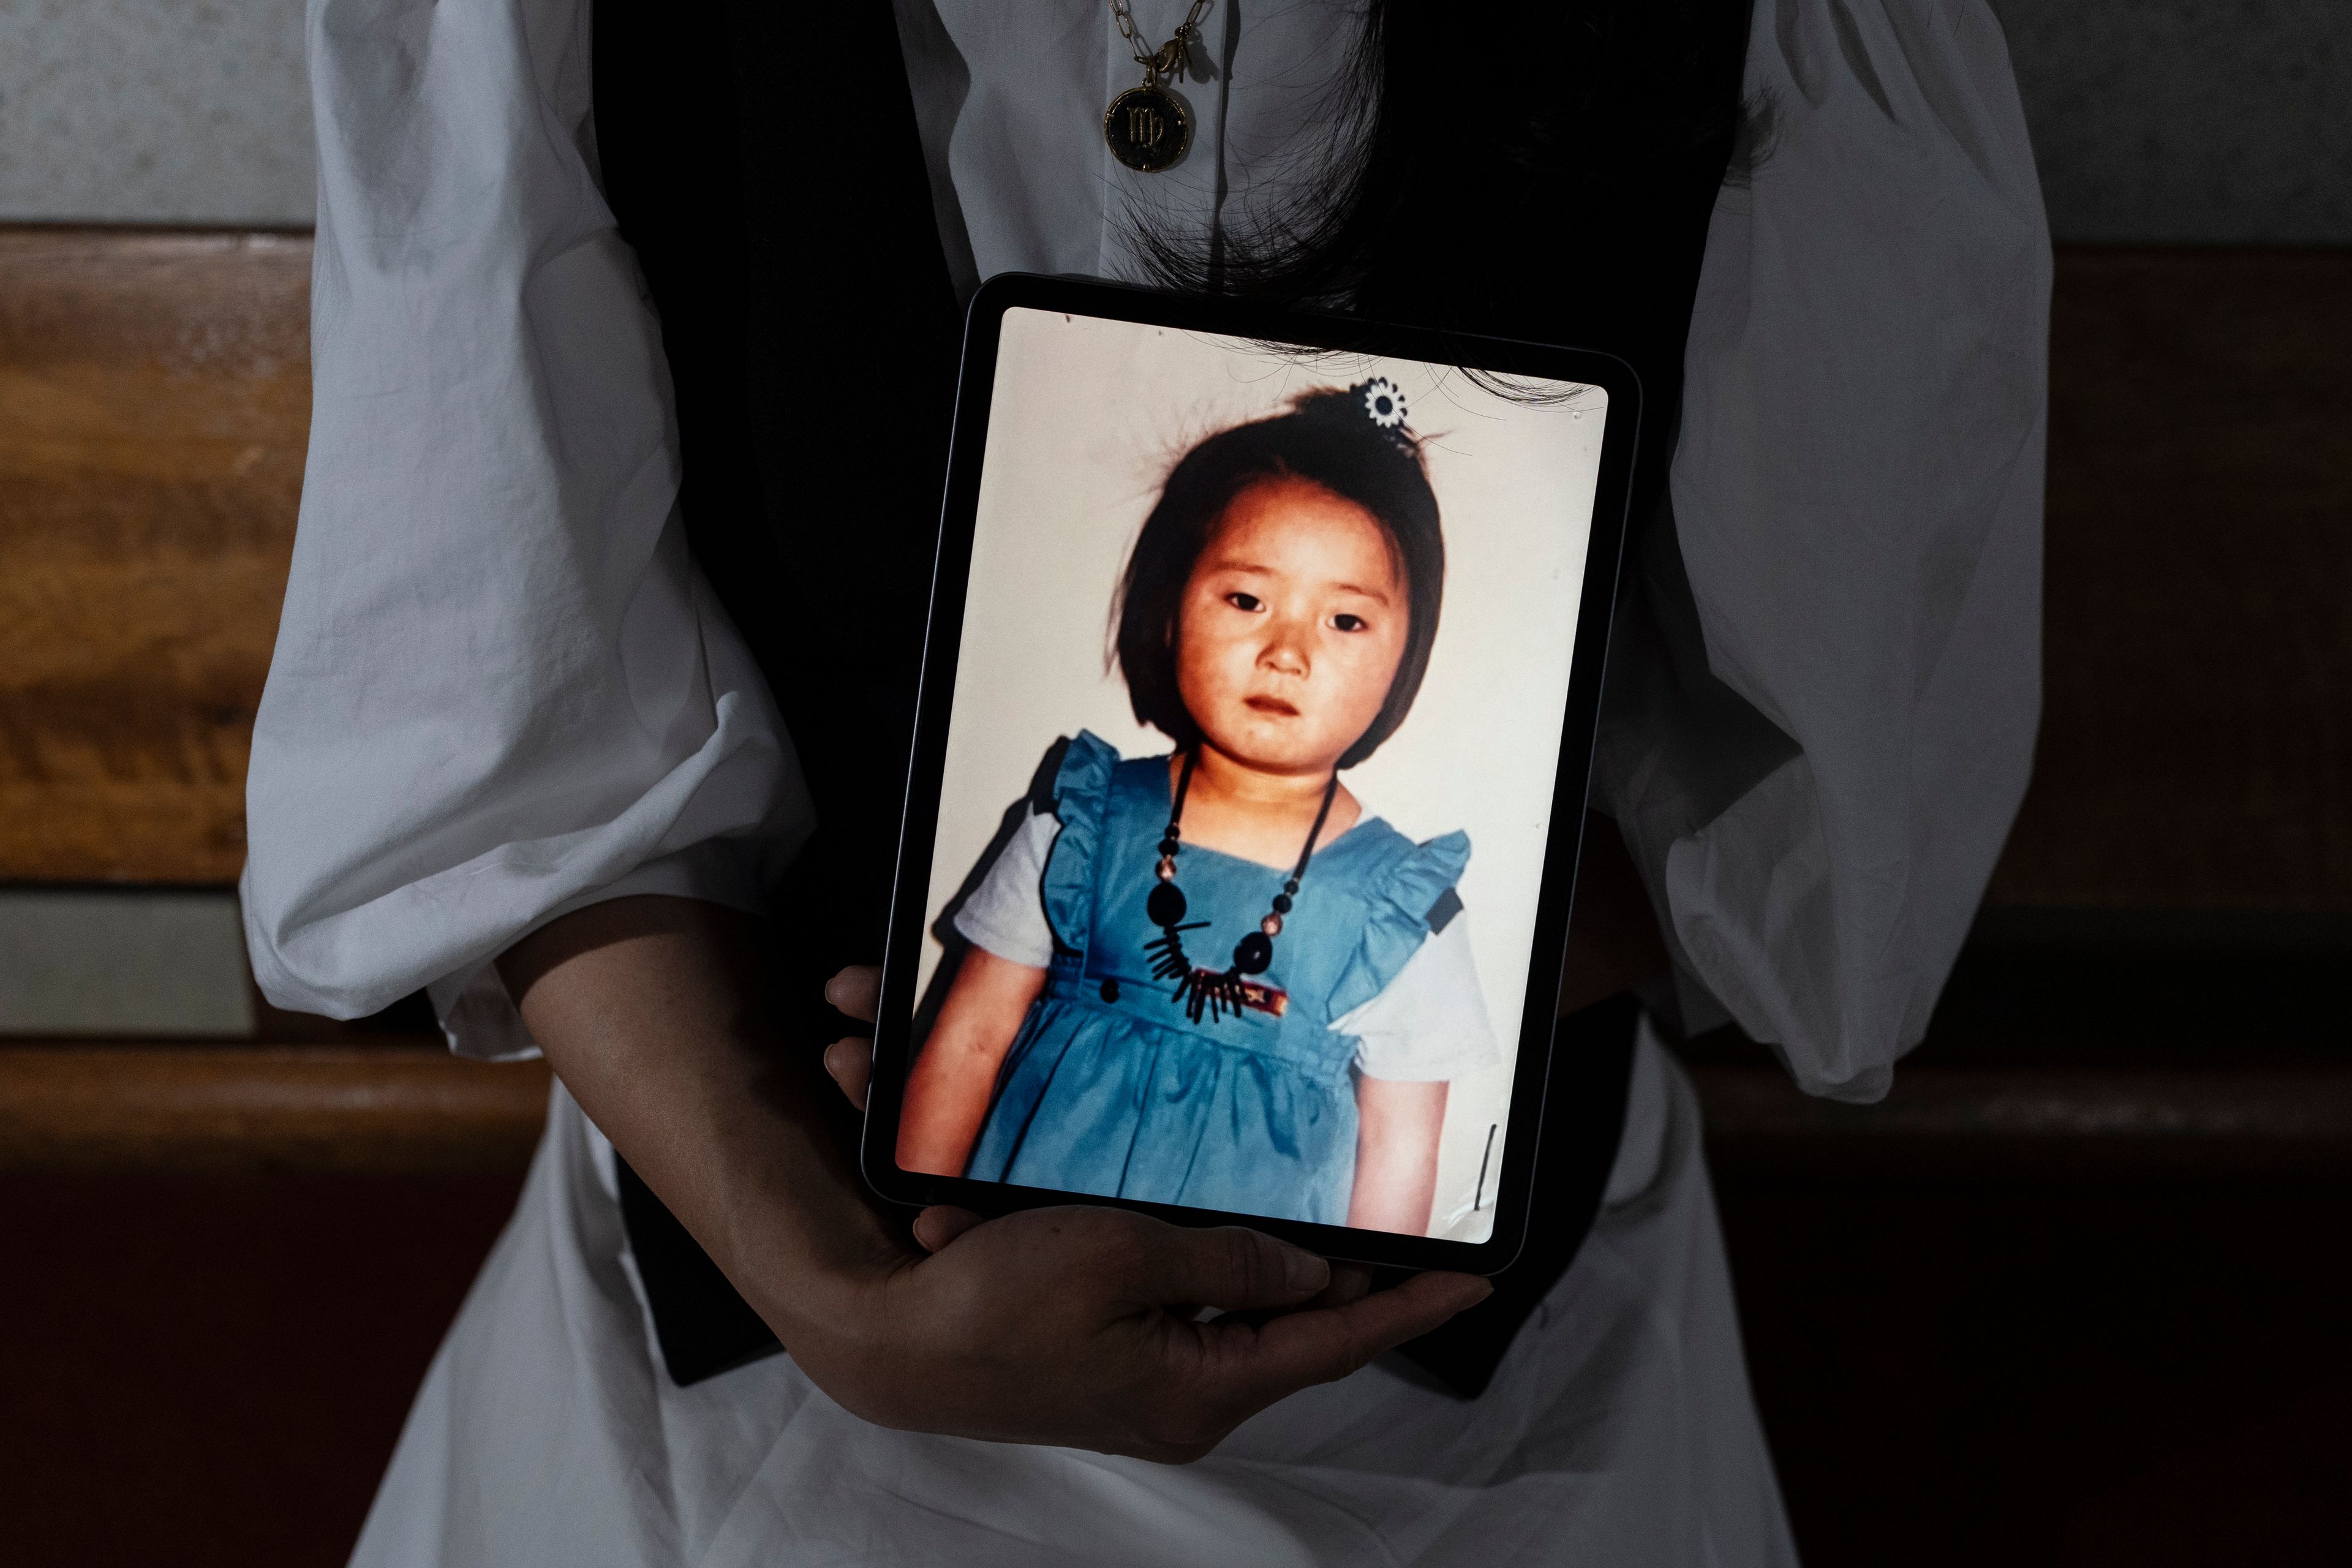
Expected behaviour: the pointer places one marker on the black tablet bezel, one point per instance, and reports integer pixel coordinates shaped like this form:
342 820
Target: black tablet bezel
942 646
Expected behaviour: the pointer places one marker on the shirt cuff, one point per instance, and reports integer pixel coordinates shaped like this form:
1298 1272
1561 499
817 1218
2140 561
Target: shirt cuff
481 1021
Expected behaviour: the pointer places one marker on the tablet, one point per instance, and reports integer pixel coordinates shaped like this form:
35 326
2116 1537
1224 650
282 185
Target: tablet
1264 664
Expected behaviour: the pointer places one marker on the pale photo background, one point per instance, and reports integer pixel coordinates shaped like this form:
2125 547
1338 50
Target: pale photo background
1087 418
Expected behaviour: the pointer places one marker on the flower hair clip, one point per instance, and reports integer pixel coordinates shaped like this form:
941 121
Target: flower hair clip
1382 400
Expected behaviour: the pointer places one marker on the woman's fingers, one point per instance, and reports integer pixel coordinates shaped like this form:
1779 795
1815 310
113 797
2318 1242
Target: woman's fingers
1229 1268
856 991
1349 1282
851 1063
941 1224
1069 1326
1265 1362
1224 1372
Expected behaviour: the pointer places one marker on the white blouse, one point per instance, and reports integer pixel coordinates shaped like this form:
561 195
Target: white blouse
502 689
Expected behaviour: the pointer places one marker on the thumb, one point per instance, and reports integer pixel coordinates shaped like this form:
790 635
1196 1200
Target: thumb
941 1224
1231 1268
856 991
1262 1365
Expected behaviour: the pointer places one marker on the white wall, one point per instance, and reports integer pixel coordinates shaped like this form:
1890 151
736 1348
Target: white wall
2155 122
154 112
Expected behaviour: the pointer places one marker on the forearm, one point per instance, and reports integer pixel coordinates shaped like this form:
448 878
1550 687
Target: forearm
656 1014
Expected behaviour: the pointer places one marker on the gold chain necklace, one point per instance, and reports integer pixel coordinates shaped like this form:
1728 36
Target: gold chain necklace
1148 127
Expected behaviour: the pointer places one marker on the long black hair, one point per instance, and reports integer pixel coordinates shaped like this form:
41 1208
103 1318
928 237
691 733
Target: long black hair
1471 157
1328 439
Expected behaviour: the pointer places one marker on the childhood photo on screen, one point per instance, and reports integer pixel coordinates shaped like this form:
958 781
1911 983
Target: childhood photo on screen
1248 785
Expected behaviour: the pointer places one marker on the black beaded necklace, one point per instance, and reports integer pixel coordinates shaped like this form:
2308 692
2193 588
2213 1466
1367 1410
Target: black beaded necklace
1205 989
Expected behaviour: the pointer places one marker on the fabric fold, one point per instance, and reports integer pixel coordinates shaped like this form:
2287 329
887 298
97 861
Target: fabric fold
1400 907
1081 797
1819 748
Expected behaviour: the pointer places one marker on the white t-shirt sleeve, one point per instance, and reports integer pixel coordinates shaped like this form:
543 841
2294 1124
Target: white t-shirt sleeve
1006 913
1429 1024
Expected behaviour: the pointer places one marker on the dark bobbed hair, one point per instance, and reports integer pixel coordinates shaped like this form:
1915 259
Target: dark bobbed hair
1327 438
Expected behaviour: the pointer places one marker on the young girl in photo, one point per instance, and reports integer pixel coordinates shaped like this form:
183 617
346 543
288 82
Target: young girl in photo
1208 977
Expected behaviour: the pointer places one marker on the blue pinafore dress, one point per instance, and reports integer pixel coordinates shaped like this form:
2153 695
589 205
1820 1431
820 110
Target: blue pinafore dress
1110 1088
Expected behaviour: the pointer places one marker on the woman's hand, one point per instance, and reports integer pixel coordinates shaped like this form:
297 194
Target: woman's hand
1076 1326
1072 1326
1085 1315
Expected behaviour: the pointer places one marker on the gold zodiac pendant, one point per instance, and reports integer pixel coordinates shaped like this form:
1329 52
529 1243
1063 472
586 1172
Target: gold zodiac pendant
1149 128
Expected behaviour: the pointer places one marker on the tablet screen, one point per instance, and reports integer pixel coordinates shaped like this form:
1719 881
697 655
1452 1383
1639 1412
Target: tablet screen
1249 775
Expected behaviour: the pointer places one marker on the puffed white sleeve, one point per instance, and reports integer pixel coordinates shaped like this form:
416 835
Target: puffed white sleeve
501 690
1827 718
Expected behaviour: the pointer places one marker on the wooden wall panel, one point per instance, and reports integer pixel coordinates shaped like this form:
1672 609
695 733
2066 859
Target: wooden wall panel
391 1107
2196 730
411 1106
154 400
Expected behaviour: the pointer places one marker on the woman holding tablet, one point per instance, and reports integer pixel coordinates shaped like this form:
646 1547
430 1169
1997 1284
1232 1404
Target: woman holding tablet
634 352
